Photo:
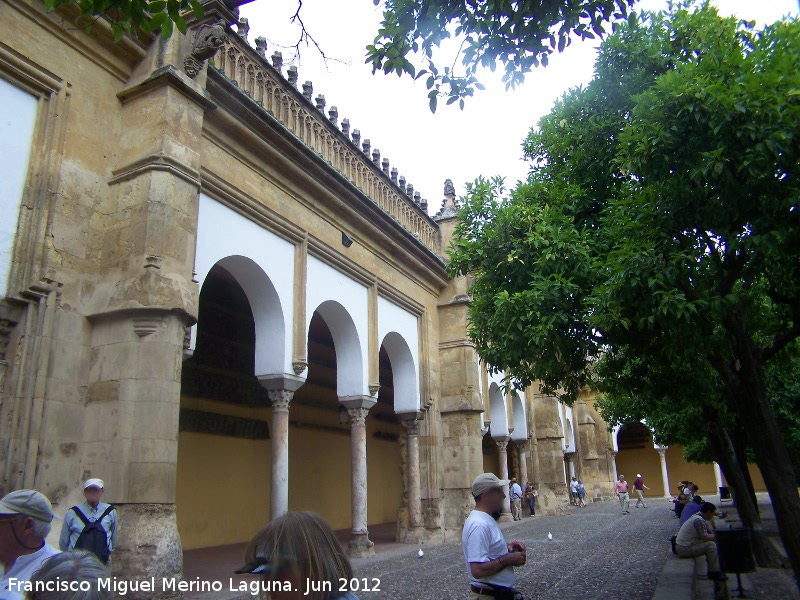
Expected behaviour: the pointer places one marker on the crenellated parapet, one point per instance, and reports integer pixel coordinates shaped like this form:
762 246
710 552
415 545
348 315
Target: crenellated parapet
333 140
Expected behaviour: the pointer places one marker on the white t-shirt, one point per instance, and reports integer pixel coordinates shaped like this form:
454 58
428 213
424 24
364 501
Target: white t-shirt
483 541
573 485
22 570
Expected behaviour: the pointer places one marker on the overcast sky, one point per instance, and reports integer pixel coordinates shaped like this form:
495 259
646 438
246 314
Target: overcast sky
483 139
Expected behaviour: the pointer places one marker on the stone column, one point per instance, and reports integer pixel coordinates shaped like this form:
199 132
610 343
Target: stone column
717 476
502 446
280 389
279 486
411 422
570 456
522 446
662 454
360 545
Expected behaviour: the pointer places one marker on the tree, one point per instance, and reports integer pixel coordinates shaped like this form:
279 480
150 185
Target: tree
684 403
663 203
519 35
125 16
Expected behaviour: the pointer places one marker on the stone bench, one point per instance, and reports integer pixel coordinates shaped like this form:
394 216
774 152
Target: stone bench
678 578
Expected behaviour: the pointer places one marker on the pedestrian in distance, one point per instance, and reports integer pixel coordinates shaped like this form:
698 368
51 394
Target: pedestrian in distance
91 525
621 490
640 487
573 491
489 559
581 494
516 499
530 497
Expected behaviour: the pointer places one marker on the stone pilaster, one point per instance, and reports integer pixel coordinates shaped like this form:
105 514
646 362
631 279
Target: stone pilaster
360 545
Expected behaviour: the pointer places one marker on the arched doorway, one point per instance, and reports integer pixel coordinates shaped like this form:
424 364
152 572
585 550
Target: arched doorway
223 436
637 455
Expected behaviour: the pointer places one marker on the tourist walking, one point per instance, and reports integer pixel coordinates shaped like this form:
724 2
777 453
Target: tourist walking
490 561
621 489
581 494
516 499
573 489
640 487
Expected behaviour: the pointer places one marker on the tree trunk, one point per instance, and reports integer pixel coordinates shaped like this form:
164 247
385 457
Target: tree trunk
745 383
720 443
739 441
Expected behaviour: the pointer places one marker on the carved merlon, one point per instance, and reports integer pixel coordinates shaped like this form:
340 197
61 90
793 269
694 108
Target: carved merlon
292 76
208 39
243 28
261 47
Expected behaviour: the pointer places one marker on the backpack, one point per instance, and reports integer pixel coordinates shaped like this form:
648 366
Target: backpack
93 537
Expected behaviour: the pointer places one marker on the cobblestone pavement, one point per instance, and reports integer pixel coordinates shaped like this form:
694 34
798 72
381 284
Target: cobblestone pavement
595 553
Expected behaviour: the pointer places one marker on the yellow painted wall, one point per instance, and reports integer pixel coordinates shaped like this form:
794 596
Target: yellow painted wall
679 468
491 464
758 479
222 489
645 461
232 475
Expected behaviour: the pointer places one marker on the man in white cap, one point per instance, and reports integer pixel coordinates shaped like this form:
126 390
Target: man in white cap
640 487
25 518
91 525
490 561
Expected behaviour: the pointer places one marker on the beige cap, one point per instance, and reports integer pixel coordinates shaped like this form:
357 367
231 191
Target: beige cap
98 483
29 503
487 481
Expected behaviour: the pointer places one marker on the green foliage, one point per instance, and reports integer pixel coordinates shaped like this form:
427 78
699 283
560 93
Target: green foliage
660 219
126 16
518 34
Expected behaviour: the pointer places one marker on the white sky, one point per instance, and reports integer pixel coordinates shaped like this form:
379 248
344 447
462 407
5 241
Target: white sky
483 139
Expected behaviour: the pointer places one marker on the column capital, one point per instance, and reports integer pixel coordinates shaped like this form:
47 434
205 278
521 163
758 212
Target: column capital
358 416
280 399
411 420
521 444
502 442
